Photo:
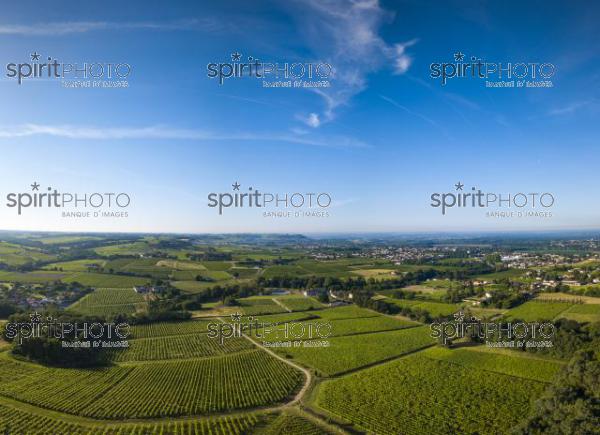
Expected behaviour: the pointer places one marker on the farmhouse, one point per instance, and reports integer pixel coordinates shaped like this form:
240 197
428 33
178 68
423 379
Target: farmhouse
147 289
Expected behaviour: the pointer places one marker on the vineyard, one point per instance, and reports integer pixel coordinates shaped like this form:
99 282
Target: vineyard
351 352
189 387
291 424
301 304
105 280
336 328
346 312
109 302
537 310
174 347
518 364
416 395
161 329
17 421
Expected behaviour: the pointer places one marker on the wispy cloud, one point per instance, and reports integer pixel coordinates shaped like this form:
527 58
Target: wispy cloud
417 114
70 27
345 33
570 108
160 132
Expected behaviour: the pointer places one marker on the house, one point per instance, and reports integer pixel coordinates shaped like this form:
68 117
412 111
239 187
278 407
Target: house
313 292
147 289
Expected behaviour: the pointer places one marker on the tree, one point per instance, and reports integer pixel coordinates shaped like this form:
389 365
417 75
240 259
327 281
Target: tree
572 404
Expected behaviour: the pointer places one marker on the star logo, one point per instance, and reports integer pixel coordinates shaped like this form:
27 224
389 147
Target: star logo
236 317
236 56
35 186
236 186
459 186
459 57
459 316
35 317
35 56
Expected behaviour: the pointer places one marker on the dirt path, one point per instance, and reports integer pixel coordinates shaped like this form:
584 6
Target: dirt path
308 375
278 302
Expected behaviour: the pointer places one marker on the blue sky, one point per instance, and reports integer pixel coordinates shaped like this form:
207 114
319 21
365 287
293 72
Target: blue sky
380 140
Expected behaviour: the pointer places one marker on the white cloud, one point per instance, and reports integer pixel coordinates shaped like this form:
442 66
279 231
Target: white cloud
570 108
70 27
403 60
161 132
345 33
312 120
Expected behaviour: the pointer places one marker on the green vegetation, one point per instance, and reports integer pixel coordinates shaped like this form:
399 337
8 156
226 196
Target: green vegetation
175 347
292 424
186 387
106 280
514 364
351 352
572 404
379 369
109 302
300 304
345 312
537 310
417 395
16 420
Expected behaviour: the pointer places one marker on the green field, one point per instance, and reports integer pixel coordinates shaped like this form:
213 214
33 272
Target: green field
109 302
300 303
537 310
106 280
346 312
31 277
337 328
162 329
16 420
416 395
516 364
582 313
170 388
176 347
351 352
436 309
